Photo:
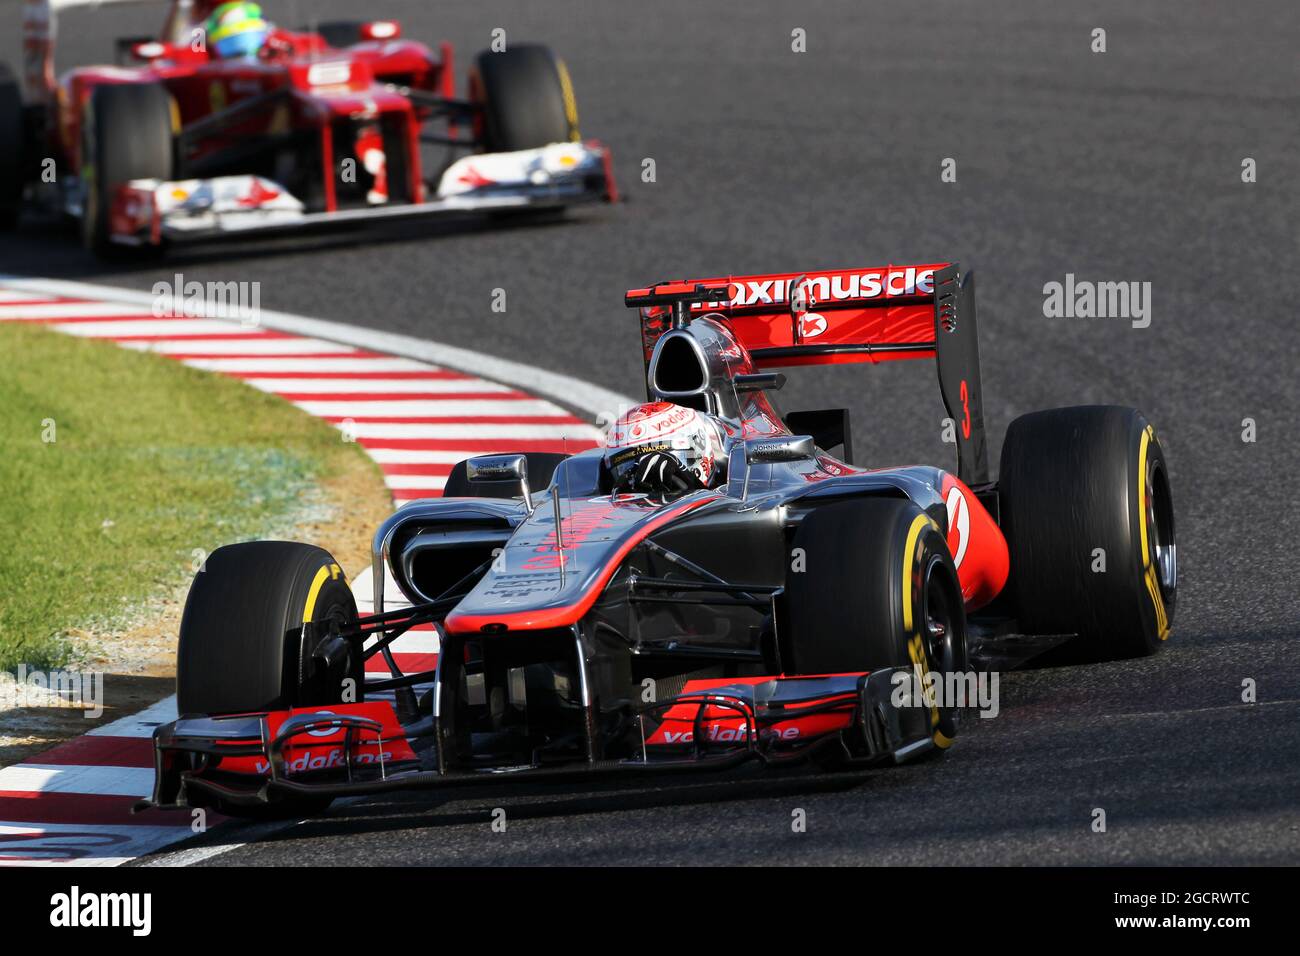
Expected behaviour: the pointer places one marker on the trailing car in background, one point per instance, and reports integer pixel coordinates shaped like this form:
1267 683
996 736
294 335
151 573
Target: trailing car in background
321 127
771 614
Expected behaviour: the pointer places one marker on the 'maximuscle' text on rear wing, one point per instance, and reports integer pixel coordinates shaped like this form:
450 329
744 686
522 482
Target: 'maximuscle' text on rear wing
845 316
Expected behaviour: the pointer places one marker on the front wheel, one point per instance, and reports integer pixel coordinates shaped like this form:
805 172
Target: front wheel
244 649
524 97
126 134
871 585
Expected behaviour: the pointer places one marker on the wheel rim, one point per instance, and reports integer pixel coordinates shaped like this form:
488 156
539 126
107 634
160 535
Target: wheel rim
941 631
1161 544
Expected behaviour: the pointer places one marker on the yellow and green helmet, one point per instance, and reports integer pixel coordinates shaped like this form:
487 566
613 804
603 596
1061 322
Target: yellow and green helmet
235 30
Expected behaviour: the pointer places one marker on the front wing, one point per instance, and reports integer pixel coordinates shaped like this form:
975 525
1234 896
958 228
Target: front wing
351 749
149 212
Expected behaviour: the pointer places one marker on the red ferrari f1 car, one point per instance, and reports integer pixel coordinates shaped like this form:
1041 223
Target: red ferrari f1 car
330 126
792 605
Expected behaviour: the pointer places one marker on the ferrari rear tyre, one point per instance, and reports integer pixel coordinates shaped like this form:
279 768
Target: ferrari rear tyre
242 643
126 133
12 148
525 97
1088 517
871 585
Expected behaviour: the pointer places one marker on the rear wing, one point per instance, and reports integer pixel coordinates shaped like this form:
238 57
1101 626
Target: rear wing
848 316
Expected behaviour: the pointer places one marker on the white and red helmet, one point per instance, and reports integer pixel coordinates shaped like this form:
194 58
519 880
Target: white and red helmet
691 437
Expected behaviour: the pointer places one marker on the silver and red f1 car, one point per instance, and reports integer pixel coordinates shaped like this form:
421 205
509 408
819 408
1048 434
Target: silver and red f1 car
329 126
808 607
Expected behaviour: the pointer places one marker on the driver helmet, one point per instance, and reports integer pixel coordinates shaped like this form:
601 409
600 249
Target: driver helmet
693 438
236 30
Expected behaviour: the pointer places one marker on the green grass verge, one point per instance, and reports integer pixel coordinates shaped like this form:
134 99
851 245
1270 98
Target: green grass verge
151 463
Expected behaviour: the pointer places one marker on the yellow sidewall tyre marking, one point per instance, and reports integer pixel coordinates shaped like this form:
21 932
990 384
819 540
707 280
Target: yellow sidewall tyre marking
1149 575
324 573
570 103
915 643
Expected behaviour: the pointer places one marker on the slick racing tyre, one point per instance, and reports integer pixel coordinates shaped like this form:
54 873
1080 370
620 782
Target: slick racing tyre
1089 521
126 133
12 148
524 97
541 466
242 646
871 585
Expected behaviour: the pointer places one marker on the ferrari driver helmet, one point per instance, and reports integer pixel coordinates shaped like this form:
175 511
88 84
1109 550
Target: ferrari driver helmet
236 30
662 447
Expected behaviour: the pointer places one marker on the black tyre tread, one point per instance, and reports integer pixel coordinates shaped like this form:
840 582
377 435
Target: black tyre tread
12 148
1068 485
526 98
130 137
240 645
541 466
846 608
844 617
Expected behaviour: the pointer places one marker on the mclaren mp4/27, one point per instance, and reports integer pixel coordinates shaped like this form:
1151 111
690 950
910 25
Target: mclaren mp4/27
772 617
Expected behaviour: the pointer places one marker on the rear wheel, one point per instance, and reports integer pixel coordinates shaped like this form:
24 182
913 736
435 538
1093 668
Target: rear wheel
872 586
525 98
12 148
243 647
1088 517
126 133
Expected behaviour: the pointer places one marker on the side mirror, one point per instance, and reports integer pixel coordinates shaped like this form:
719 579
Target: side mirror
780 448
774 449
381 30
501 468
151 50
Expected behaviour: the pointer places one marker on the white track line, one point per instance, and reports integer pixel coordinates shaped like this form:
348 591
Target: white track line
141 723
460 408
415 456
389 386
251 348
593 400
42 778
67 310
575 432
249 366
111 328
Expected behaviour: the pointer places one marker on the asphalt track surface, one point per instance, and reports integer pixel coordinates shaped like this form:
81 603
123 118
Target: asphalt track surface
1116 166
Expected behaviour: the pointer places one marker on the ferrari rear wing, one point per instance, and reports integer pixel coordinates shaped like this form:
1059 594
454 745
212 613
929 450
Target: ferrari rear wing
847 316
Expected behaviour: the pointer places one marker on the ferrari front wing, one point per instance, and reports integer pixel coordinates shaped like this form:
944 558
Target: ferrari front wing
152 211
